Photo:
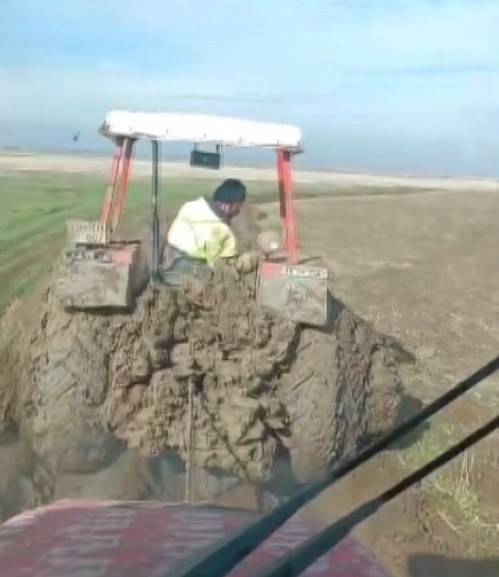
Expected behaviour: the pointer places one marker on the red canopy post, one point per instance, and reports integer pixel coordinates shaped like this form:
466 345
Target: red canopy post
288 220
111 185
119 200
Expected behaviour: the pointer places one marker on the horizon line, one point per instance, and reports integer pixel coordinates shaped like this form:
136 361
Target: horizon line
175 158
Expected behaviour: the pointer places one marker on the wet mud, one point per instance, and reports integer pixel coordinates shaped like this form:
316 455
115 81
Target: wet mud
202 373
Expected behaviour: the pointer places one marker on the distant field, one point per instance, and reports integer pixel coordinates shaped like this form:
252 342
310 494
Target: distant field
34 211
40 192
34 208
36 204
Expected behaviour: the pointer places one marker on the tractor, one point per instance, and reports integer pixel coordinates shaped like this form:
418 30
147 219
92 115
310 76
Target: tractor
103 271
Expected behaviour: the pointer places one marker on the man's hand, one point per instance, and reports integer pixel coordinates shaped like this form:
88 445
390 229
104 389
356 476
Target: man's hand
247 262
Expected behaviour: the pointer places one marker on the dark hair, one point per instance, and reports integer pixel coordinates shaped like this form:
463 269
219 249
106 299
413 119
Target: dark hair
230 192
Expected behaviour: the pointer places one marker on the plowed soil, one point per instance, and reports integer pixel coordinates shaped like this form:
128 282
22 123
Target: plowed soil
421 267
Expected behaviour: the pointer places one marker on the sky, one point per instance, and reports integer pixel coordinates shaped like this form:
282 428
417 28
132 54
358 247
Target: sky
379 85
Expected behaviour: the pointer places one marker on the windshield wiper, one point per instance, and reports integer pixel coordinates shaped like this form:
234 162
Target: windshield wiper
218 560
296 561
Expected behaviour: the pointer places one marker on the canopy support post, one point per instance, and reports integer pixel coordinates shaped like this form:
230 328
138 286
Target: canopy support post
155 212
288 219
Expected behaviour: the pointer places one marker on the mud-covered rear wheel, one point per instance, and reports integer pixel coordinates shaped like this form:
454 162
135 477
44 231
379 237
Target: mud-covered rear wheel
342 392
68 373
310 399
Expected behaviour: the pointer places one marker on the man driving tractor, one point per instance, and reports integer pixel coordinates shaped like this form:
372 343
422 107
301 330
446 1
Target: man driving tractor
201 233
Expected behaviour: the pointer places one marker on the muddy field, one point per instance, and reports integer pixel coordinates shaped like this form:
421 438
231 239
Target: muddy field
423 268
420 263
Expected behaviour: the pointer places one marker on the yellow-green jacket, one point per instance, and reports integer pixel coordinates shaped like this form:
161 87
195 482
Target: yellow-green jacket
200 233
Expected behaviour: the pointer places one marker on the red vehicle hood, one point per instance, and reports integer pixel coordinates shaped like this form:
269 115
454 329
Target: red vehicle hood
131 539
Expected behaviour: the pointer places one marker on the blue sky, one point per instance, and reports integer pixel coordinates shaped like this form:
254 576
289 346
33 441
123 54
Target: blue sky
399 85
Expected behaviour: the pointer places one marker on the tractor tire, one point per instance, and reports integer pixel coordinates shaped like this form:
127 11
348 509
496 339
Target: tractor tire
97 383
67 375
344 391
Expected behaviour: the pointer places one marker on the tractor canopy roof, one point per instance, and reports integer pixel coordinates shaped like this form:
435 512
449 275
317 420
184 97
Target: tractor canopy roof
199 129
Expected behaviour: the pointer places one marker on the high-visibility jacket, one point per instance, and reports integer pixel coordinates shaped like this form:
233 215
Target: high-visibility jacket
198 232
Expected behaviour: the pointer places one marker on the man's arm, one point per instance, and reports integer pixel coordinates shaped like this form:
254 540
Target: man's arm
222 244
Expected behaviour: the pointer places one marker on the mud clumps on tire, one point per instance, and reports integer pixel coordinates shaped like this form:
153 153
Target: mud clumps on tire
342 391
93 383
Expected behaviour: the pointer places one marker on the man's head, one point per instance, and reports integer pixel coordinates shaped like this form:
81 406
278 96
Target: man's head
230 196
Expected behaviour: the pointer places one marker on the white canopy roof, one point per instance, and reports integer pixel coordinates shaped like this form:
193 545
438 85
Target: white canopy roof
200 128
